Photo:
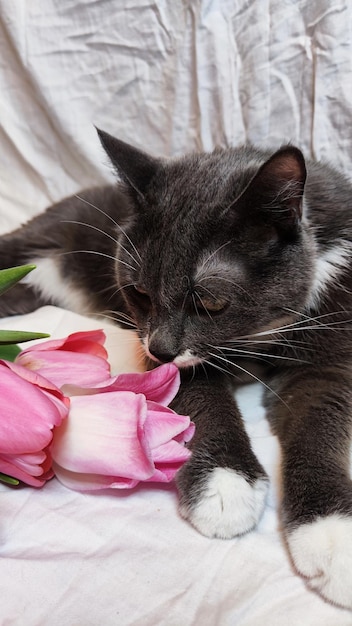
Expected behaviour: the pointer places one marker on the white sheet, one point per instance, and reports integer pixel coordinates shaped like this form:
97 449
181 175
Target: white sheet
118 558
169 77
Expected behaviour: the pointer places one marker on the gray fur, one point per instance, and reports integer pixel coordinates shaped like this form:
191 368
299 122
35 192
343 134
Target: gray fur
257 232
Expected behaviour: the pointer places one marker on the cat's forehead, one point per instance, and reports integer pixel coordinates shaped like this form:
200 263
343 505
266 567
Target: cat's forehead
173 270
215 265
206 177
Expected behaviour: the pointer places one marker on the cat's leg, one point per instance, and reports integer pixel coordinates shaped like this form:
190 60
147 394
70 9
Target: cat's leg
223 486
313 421
21 299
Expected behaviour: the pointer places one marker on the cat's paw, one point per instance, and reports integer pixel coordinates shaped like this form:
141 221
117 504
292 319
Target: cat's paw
227 504
322 553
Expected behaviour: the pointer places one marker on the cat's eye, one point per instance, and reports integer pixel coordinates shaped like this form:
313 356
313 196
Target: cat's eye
140 297
211 305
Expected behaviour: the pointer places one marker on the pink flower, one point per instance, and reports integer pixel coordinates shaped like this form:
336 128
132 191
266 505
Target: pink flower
80 359
121 432
118 430
31 407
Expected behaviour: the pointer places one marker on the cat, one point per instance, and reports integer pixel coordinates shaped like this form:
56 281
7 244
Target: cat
235 265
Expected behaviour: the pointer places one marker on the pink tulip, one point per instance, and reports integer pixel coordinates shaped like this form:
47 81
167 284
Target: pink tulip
31 407
121 432
80 359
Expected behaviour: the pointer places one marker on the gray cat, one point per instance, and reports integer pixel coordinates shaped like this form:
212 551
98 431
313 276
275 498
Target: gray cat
234 265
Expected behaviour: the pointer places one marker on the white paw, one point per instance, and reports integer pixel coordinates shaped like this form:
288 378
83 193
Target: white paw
228 506
322 553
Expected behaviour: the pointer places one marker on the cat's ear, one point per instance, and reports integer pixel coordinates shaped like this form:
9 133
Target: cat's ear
276 191
135 167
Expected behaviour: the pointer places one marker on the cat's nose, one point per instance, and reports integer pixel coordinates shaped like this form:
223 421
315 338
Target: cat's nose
161 346
163 357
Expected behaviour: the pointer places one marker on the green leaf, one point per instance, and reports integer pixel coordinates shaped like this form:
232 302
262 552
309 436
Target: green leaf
12 275
18 336
8 479
9 352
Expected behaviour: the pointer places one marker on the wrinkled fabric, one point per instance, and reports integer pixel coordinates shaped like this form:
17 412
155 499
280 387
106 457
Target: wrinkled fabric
95 554
167 76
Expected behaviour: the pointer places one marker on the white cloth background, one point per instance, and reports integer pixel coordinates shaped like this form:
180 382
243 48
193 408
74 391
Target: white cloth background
168 77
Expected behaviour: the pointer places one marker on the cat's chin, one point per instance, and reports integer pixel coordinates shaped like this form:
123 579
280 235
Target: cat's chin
183 360
187 359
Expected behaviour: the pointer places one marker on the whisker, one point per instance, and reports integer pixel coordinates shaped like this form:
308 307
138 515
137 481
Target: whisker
274 341
205 369
232 282
103 232
220 369
212 295
94 206
103 254
120 318
119 289
193 372
263 358
121 314
243 369
322 327
103 290
127 340
115 312
195 304
128 252
203 308
215 252
318 317
243 352
113 221
296 327
99 230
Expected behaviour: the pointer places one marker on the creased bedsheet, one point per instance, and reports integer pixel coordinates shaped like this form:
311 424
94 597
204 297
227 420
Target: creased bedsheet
127 558
168 77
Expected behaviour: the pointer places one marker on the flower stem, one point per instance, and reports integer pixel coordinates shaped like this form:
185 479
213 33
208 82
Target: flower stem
8 479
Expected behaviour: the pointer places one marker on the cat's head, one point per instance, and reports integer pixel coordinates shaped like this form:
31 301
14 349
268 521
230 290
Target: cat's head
216 248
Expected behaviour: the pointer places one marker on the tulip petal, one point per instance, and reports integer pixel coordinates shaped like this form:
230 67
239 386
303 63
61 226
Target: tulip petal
9 468
80 358
168 458
63 367
166 472
163 424
171 452
34 378
91 482
28 462
159 385
89 342
28 413
104 435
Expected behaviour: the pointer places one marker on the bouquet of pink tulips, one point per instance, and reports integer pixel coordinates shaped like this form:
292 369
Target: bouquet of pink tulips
63 414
